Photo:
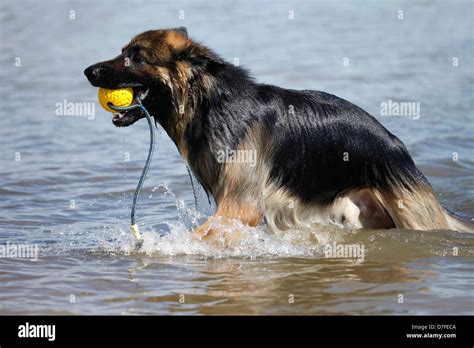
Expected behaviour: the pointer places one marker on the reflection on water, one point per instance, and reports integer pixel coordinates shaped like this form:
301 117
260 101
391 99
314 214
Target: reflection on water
65 184
140 284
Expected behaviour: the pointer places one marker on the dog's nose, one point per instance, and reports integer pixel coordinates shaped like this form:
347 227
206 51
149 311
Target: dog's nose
94 72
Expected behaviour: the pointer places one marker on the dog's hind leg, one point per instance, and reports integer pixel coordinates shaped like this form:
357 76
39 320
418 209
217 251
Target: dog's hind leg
369 213
414 207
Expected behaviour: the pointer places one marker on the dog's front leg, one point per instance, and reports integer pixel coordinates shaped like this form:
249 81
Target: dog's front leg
223 227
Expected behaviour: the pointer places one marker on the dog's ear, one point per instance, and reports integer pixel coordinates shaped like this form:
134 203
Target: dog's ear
203 58
181 30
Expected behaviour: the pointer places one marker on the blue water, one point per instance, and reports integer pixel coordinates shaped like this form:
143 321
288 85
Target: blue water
66 186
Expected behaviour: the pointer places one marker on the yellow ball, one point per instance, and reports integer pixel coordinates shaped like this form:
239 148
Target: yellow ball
118 97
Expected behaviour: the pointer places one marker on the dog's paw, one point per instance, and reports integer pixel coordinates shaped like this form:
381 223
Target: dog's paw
220 236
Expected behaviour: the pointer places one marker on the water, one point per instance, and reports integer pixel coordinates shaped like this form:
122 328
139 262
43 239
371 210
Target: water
66 187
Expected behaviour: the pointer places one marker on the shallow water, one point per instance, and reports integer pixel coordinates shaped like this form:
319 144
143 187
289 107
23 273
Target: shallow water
66 186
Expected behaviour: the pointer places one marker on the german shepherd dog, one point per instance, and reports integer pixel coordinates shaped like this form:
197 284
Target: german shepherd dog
319 158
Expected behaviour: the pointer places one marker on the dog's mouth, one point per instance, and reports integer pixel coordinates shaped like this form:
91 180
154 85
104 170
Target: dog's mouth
128 117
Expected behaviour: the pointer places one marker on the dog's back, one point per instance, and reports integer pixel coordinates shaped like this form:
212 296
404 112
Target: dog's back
325 160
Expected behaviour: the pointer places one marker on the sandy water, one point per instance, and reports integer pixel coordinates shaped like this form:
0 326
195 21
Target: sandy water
66 183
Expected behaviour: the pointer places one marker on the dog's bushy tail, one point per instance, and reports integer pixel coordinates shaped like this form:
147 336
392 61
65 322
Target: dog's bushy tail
458 223
414 205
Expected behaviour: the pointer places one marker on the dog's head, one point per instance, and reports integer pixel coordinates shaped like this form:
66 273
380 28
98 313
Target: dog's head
161 66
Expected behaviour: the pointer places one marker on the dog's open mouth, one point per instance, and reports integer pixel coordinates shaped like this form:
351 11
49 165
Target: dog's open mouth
129 117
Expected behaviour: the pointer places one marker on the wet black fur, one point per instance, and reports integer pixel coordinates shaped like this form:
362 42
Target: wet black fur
307 146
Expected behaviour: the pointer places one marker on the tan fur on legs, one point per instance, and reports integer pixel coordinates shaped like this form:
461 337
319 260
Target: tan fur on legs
221 227
219 231
238 195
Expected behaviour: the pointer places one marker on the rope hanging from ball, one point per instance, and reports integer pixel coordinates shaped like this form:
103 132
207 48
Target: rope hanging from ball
121 100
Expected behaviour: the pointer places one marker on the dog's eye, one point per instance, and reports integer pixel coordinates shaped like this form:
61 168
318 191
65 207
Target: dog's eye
136 55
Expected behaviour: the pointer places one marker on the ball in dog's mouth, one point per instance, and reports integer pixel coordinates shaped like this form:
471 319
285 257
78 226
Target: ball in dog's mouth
127 118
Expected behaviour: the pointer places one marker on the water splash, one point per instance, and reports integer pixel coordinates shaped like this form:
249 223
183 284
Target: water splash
173 236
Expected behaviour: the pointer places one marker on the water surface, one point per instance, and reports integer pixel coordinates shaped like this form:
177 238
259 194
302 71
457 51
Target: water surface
66 183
